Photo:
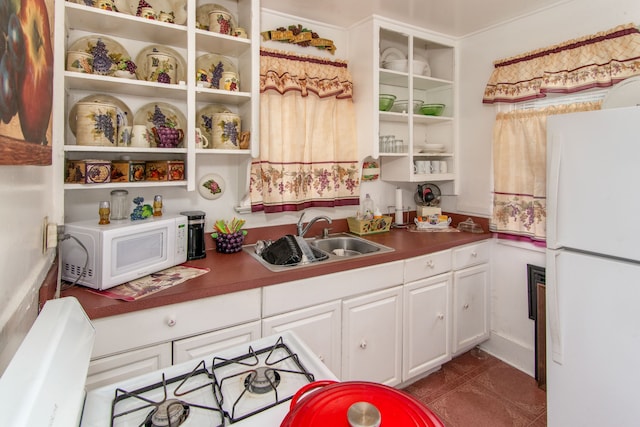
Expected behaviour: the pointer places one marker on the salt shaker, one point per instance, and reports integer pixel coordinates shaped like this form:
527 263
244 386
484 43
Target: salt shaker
157 205
104 210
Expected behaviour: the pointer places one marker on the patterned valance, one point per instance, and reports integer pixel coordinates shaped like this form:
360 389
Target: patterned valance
599 60
284 72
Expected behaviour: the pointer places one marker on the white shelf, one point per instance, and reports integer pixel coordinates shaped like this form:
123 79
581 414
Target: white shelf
127 184
122 150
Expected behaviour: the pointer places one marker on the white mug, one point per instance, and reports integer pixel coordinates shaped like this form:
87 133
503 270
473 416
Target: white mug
201 140
423 166
435 166
124 135
443 166
140 136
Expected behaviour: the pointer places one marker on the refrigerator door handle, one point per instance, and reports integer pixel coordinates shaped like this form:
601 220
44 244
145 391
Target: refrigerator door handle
553 308
553 178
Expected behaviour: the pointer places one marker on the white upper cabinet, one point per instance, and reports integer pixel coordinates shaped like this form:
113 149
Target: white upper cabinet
192 47
416 68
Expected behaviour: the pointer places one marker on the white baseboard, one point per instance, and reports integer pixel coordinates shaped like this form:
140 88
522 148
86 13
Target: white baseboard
511 352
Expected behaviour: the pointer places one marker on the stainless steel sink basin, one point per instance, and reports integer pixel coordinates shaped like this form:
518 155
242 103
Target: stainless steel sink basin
345 246
335 248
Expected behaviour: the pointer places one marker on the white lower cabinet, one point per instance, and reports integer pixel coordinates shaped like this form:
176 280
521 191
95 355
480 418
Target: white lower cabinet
111 369
372 337
318 326
202 345
470 297
426 325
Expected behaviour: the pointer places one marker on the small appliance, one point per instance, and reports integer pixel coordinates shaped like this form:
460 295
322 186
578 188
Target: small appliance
427 198
104 256
195 239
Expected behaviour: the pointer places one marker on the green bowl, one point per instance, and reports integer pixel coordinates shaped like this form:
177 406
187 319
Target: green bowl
432 109
385 102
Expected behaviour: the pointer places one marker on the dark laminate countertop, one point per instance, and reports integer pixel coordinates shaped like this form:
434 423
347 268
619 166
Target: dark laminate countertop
239 271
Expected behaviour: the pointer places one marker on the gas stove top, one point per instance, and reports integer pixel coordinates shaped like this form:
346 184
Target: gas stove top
245 385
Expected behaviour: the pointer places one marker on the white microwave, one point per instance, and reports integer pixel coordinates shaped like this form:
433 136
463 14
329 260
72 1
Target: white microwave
104 256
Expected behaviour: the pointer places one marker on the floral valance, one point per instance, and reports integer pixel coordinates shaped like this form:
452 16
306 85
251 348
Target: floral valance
599 60
284 72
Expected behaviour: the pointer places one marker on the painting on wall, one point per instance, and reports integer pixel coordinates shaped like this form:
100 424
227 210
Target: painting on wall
26 81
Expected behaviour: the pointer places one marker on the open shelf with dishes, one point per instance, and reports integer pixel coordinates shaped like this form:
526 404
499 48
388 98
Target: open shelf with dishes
416 69
165 99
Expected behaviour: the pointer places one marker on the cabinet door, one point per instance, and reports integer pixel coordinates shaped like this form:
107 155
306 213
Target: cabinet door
112 369
317 326
470 307
210 343
372 337
427 325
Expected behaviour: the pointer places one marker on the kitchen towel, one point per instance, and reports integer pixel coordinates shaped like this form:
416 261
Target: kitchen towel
156 282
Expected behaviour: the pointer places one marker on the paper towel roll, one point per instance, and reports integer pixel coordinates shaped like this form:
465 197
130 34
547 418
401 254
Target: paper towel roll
399 219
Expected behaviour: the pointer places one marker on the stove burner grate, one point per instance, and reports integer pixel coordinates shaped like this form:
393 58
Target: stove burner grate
258 379
168 412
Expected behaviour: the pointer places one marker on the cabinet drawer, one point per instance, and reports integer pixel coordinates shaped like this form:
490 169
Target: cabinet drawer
469 255
427 266
161 324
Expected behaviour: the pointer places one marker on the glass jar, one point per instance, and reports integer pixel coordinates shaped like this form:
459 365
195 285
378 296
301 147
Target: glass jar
119 204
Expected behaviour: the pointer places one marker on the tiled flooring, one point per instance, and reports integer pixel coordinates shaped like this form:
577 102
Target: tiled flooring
476 389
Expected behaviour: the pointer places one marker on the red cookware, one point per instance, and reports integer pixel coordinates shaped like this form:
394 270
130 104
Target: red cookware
328 402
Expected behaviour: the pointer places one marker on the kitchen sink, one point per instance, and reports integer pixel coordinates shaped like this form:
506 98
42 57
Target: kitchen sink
335 248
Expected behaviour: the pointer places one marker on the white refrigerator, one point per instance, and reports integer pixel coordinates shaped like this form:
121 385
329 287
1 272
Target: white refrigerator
593 268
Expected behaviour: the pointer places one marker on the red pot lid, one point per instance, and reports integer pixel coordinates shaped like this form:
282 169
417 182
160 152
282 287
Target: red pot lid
328 406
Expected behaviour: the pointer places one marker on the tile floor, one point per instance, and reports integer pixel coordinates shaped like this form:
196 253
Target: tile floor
479 390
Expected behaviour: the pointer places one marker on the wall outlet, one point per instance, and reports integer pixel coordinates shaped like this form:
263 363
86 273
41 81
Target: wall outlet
49 235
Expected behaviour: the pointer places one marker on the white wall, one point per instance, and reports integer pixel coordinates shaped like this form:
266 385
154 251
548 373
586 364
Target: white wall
512 332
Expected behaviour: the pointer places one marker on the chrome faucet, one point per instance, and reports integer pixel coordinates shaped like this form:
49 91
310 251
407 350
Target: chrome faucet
303 230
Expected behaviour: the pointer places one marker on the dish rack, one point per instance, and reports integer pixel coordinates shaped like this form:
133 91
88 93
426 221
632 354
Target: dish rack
362 227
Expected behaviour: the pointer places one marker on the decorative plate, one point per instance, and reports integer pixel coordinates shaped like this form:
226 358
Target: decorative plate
178 7
125 116
144 116
203 118
202 15
143 66
210 64
391 54
211 186
113 49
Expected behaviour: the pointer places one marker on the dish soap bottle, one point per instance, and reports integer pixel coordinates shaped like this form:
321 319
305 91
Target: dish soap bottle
368 208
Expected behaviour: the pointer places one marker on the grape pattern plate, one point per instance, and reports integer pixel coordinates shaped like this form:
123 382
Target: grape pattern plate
211 66
173 117
211 186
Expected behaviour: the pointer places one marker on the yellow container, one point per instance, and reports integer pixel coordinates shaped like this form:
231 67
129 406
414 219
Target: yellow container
369 226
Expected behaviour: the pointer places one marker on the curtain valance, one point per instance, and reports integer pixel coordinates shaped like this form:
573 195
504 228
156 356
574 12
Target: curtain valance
599 60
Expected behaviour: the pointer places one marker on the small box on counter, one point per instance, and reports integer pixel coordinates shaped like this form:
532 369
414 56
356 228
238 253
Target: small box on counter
369 226
88 171
165 170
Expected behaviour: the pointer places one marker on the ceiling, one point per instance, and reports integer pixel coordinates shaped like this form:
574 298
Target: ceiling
451 17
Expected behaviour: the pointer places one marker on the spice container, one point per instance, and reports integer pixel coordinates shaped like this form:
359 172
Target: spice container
119 204
104 211
157 206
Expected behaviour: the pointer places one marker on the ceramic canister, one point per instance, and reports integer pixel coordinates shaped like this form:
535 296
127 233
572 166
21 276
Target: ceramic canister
81 62
220 22
229 81
158 62
96 124
225 130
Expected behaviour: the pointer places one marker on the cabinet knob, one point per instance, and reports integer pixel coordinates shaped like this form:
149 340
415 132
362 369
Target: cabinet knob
440 316
474 254
363 344
321 357
466 306
430 263
171 321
